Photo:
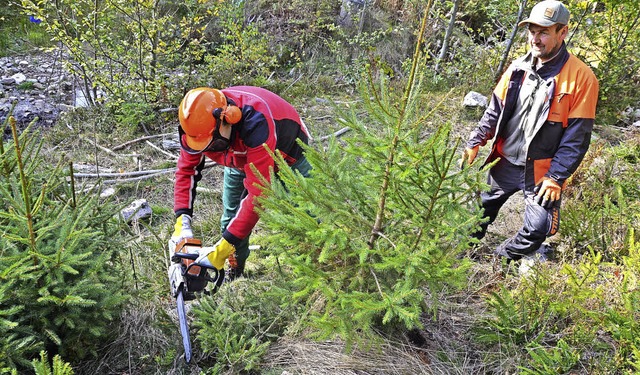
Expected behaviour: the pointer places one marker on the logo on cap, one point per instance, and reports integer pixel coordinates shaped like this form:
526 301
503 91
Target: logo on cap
549 12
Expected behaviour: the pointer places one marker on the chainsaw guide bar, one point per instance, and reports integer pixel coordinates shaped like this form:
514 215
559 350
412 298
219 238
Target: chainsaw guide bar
186 280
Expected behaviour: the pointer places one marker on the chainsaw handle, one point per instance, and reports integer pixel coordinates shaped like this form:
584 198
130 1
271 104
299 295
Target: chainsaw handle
191 256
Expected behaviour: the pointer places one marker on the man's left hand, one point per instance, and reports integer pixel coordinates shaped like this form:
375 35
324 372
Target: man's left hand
216 255
547 192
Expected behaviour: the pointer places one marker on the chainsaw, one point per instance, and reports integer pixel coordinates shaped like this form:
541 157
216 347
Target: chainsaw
187 280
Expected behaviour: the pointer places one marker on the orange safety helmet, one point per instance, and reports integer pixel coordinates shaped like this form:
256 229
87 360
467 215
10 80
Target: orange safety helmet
199 112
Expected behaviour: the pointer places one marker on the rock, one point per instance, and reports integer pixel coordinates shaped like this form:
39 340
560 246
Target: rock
475 99
64 107
66 85
40 105
19 78
137 210
631 115
42 99
107 192
636 124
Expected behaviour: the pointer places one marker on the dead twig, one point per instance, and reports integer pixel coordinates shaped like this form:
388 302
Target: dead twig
139 178
135 174
140 140
105 149
124 174
336 134
162 151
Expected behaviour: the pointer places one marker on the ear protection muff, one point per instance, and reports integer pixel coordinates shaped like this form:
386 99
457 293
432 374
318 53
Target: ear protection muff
230 114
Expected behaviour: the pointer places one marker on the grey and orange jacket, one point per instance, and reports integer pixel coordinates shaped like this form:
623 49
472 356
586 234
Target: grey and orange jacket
563 131
267 120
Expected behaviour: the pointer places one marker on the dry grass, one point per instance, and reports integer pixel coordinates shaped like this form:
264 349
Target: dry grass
297 356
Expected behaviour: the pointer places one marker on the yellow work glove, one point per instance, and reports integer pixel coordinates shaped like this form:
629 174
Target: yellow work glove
216 255
468 156
547 192
181 230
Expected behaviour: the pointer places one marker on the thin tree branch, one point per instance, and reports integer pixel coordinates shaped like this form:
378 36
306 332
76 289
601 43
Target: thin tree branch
139 140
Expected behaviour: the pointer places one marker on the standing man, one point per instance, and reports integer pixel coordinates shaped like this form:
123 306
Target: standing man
541 116
236 127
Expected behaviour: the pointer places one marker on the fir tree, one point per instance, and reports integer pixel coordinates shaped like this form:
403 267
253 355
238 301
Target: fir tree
377 228
58 259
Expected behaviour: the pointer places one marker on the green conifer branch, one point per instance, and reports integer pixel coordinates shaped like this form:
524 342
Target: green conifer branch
25 191
377 226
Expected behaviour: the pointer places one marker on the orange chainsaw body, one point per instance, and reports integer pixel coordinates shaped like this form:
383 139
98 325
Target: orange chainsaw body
189 245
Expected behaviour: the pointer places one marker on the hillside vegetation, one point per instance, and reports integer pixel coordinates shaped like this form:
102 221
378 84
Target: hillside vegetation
365 267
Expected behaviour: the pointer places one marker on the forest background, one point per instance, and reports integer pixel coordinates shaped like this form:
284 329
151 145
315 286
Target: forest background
365 267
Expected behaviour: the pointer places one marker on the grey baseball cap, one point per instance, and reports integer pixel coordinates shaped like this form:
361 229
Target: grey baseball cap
547 13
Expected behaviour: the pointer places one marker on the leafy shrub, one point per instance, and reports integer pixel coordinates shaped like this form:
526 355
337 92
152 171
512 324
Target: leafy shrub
559 359
59 255
130 50
606 40
135 116
241 56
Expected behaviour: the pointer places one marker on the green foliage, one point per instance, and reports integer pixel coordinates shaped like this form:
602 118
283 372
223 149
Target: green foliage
514 321
58 366
379 223
128 49
613 33
242 55
26 85
622 320
59 257
582 314
17 33
135 116
604 201
239 323
555 360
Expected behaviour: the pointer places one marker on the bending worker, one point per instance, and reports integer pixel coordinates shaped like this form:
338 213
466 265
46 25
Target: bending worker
233 127
541 116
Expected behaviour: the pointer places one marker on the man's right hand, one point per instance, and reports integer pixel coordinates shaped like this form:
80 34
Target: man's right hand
181 230
468 156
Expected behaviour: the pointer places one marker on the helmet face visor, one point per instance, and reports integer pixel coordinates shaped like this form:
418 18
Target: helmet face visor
215 142
192 145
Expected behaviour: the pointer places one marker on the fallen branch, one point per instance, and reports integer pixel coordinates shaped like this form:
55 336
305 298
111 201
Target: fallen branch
124 174
336 134
145 173
162 151
107 150
140 140
120 180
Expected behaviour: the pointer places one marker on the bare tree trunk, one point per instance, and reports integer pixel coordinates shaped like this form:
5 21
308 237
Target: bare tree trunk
447 36
514 32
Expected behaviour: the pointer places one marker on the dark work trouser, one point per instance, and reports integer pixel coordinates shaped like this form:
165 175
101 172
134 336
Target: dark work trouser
505 179
233 192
